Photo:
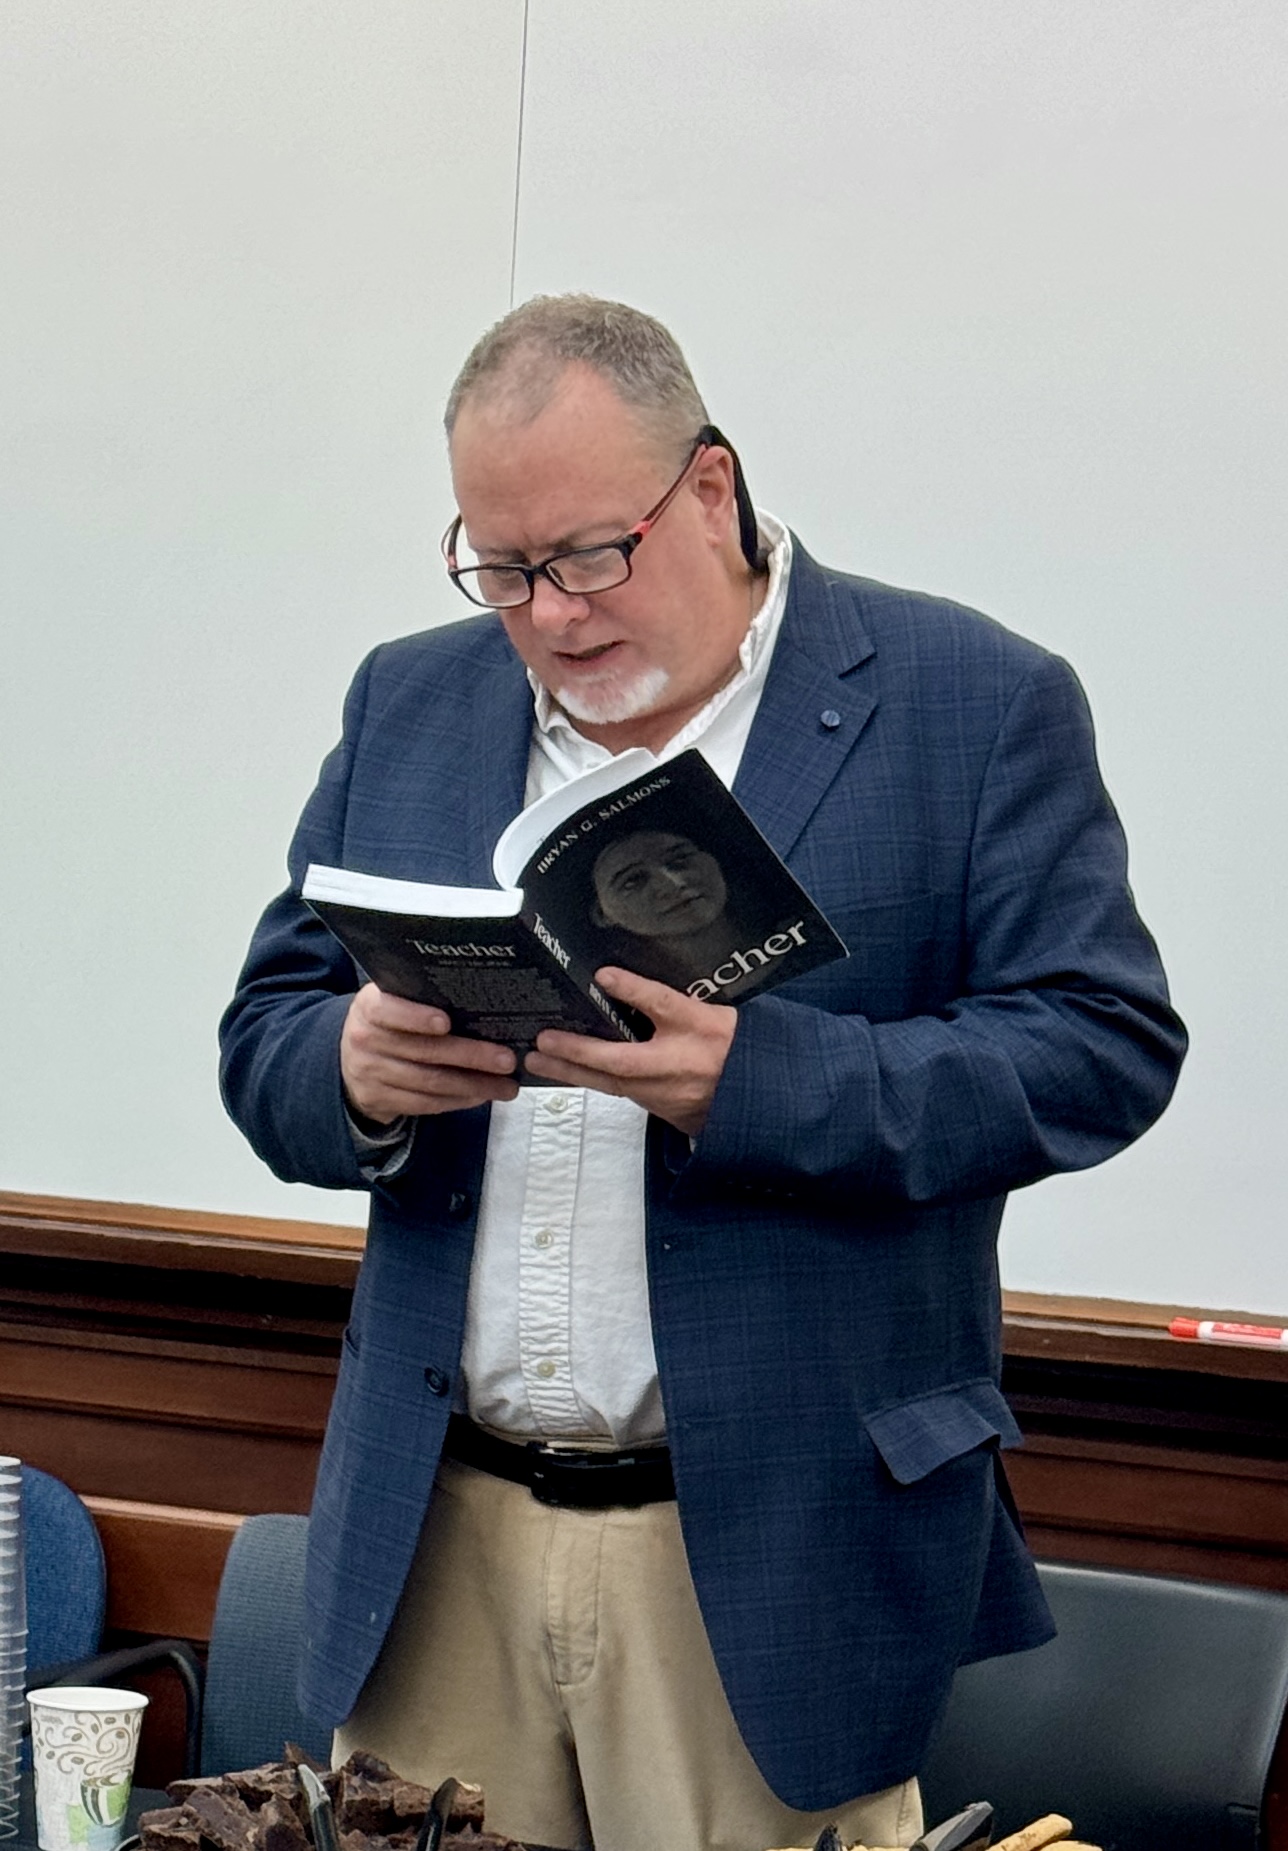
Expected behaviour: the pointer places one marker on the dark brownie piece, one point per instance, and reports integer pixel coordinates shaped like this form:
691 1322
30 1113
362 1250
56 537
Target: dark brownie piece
273 1781
265 1809
278 1827
169 1828
226 1821
181 1790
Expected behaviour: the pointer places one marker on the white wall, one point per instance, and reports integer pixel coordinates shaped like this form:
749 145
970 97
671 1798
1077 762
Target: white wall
990 293
992 298
245 243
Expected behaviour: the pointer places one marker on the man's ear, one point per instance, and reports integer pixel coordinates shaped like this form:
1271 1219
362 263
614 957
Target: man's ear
750 544
713 484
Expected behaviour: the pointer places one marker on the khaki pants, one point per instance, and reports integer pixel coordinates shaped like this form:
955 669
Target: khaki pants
557 1658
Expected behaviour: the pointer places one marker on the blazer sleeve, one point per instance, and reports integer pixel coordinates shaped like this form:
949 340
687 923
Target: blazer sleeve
280 1035
1060 1048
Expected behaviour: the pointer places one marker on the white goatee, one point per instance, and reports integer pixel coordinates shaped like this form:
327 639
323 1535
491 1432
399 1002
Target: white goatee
612 700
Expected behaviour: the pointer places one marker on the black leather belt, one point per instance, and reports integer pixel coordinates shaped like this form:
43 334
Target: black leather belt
565 1476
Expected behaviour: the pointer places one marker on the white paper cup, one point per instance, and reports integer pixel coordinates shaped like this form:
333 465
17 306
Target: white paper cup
83 1744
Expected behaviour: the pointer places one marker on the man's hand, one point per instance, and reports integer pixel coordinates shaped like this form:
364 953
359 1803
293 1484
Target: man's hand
674 1075
401 1058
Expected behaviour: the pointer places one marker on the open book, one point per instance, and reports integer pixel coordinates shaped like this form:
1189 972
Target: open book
651 866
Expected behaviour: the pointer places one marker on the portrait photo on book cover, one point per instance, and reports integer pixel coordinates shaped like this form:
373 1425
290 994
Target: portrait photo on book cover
702 918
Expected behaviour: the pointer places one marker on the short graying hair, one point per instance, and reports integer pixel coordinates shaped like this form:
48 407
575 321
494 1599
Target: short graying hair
520 361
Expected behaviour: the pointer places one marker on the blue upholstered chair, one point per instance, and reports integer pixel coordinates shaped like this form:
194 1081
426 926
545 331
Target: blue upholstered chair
65 1573
244 1708
250 1707
67 1599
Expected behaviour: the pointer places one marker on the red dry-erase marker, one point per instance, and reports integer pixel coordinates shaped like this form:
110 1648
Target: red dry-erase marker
1206 1330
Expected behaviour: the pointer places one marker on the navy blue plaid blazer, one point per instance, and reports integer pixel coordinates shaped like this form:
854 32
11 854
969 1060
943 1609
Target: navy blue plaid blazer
822 1263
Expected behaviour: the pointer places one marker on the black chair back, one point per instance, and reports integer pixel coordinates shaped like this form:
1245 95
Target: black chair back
1150 1721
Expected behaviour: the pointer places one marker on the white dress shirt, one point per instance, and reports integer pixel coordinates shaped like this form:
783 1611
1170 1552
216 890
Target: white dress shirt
558 1340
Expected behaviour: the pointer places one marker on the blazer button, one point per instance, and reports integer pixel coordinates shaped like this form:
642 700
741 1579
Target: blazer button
830 718
436 1381
459 1205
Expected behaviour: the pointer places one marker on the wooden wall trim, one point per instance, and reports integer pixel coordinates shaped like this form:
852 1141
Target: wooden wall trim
148 1355
323 1253
1046 1327
1125 1334
191 1385
131 1233
163 1565
1125 1313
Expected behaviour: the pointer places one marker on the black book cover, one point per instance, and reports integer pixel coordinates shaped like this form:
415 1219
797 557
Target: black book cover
662 873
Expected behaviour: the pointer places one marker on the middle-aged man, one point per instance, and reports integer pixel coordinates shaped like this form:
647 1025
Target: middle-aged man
718 1507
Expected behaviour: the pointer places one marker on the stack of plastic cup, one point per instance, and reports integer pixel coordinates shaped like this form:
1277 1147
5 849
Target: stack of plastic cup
13 1642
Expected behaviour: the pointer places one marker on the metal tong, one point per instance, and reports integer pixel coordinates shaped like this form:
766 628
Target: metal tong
440 1809
321 1811
969 1830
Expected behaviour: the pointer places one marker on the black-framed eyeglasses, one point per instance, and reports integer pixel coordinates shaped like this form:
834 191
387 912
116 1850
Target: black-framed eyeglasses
580 571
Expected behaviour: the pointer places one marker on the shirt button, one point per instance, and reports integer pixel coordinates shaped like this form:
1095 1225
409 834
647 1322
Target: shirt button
557 1102
545 1371
544 1239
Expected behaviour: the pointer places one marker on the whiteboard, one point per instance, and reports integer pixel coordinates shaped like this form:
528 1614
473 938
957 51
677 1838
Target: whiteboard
991 297
244 244
990 294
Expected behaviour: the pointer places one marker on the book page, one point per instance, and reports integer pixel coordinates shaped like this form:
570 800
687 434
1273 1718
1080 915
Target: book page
520 839
377 893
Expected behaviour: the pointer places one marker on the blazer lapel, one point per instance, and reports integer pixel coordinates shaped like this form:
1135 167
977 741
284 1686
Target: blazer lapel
498 768
812 710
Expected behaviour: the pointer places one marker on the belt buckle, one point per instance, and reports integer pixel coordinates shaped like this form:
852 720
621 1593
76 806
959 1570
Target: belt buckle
563 1456
540 1483
542 1490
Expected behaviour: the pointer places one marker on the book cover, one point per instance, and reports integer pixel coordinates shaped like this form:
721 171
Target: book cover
653 866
